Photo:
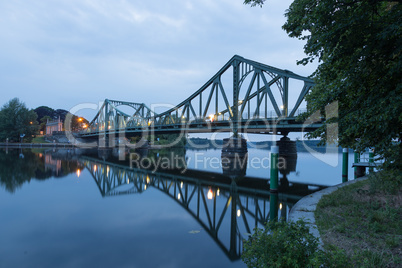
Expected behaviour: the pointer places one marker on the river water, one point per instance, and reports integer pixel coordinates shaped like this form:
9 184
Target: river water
148 208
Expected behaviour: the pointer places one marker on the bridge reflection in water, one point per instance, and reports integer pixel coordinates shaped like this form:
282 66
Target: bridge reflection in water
228 208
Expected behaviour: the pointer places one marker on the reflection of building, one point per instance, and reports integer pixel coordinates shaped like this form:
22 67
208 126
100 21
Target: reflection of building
52 126
54 165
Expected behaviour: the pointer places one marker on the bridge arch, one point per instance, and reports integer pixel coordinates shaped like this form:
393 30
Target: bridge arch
255 92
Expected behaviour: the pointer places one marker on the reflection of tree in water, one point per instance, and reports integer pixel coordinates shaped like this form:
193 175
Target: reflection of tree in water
15 170
20 166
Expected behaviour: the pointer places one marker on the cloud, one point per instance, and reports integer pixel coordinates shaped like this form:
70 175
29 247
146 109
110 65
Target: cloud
61 53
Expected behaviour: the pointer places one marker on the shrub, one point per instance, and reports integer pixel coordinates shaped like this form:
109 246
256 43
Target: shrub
288 244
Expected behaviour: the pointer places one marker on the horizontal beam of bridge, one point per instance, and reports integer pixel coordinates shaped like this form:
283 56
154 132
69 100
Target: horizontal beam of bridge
250 126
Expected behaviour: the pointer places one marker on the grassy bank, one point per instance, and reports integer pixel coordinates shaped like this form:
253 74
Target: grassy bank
39 139
365 221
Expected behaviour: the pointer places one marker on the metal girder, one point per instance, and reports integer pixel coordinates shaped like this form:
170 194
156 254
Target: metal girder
216 101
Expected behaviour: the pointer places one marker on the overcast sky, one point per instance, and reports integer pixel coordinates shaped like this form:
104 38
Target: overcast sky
61 53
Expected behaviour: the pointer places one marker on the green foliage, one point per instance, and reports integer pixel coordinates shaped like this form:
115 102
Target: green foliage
254 2
17 119
288 244
44 111
359 46
43 121
389 181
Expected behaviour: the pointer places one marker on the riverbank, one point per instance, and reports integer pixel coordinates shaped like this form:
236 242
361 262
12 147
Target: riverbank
360 221
364 220
66 145
36 145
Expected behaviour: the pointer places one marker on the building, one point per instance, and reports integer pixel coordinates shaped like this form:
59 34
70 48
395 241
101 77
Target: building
52 126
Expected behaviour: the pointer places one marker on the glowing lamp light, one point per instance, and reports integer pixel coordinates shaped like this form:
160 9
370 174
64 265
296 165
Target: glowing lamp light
78 173
211 117
95 167
210 194
217 192
238 213
280 205
178 196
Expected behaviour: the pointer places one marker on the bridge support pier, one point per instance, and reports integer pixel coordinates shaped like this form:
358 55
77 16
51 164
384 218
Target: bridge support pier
234 147
236 166
287 147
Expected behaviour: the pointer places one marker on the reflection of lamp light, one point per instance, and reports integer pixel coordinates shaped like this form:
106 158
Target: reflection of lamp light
128 181
78 173
145 187
210 194
238 213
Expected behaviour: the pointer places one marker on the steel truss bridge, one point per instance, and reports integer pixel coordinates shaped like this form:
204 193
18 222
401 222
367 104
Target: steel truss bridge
227 209
243 96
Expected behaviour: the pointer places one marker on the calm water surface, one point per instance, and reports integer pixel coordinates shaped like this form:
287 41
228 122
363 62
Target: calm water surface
74 208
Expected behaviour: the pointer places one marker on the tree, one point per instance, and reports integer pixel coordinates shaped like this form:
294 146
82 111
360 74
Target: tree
358 45
17 119
43 122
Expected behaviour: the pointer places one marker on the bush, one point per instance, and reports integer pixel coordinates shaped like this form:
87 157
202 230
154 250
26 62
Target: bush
389 181
288 244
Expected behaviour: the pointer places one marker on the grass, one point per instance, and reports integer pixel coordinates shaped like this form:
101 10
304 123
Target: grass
364 221
39 139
